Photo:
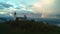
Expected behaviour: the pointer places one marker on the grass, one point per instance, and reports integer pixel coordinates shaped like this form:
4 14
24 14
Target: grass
28 27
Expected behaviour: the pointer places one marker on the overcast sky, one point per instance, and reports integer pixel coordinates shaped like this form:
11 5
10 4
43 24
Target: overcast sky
46 7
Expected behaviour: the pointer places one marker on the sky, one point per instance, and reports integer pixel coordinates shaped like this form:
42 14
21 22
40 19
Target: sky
48 8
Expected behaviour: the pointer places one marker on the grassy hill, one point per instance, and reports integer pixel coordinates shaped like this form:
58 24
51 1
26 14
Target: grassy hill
28 27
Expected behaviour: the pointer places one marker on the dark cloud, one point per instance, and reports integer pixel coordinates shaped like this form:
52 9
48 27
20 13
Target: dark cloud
4 5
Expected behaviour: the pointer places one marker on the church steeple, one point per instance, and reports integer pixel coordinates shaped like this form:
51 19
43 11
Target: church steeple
14 15
25 16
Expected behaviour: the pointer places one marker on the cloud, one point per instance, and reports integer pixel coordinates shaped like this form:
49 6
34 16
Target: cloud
47 7
4 5
2 12
1 7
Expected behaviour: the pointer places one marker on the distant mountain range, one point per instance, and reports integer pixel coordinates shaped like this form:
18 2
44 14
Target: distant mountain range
53 21
47 20
6 17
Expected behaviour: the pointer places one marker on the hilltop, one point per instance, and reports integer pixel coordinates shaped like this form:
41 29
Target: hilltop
28 27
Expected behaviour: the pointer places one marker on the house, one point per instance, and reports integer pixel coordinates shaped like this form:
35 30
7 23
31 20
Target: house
21 18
